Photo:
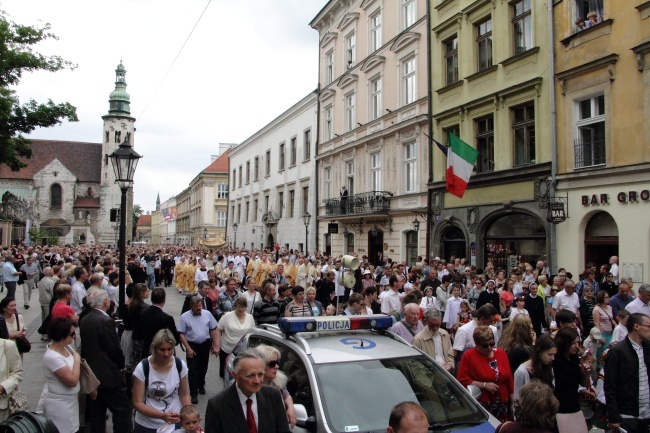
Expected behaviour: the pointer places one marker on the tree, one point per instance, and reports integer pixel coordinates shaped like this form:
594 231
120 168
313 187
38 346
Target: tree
17 57
137 211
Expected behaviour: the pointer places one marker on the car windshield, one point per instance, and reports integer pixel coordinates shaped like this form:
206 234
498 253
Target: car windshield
358 396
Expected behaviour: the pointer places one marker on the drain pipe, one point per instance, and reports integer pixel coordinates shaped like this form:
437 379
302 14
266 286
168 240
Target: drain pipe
552 263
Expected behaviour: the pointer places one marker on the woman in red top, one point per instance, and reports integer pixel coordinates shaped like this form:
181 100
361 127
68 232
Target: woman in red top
488 368
61 309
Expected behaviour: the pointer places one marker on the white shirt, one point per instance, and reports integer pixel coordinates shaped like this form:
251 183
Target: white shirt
564 301
637 306
390 302
464 339
242 401
78 295
614 271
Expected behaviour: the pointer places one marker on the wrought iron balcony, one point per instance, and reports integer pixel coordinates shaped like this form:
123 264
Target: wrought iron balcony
589 152
365 203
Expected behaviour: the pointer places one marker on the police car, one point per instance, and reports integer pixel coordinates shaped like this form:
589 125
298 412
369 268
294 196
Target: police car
346 374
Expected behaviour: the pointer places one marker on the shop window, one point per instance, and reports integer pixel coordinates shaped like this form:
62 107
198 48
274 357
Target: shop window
515 238
411 247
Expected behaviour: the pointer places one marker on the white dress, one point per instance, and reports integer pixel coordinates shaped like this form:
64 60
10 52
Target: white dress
451 311
61 402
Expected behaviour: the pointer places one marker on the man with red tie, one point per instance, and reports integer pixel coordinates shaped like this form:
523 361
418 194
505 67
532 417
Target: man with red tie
247 406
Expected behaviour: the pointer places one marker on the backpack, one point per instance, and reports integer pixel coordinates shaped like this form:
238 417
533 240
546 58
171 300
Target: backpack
145 370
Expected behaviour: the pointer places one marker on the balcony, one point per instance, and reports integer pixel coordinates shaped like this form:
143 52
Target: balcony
589 152
373 202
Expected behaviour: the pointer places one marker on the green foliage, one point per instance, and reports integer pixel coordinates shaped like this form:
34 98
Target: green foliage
16 119
37 235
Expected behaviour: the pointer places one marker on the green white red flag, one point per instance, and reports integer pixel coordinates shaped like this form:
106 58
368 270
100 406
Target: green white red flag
461 158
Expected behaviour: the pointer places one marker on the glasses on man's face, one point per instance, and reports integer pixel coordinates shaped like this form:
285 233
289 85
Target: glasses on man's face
490 344
273 364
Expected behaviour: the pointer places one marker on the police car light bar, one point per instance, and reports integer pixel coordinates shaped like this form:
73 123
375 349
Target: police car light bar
292 325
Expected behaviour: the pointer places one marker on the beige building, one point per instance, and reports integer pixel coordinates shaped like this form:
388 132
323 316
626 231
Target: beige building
603 134
373 117
184 235
491 86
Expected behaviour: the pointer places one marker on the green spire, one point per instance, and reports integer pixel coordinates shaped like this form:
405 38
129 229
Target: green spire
119 100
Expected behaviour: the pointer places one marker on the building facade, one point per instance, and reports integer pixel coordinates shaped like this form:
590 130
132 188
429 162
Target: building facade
272 182
491 86
168 215
603 134
73 199
373 122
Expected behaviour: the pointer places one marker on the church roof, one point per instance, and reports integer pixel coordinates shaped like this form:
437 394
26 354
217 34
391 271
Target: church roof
219 165
144 221
87 201
84 160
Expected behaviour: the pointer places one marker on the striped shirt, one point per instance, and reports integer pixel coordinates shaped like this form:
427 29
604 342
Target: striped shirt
644 398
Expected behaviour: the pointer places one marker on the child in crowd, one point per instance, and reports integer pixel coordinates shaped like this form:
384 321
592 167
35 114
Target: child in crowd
620 332
330 310
464 315
452 308
190 420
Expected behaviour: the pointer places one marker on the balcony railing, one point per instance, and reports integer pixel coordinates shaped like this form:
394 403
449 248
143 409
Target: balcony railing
589 152
364 203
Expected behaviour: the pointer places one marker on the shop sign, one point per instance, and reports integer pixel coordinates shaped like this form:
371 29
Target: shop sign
556 213
621 197
332 228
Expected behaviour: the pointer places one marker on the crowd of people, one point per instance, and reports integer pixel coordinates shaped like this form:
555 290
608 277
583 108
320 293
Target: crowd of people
511 333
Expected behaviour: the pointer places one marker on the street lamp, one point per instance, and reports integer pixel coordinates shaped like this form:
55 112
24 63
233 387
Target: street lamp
234 227
416 225
306 218
124 160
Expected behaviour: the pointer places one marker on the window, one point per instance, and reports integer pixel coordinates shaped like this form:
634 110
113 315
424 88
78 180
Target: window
232 213
485 144
248 210
349 112
280 203
590 138
375 171
240 175
522 26
305 199
582 9
375 99
349 172
451 60
523 127
281 157
55 196
454 129
350 42
410 12
292 202
329 65
292 154
222 191
221 219
484 44
410 165
408 79
267 169
256 169
248 172
328 183
234 178
239 213
307 145
255 205
328 123
375 32
349 241
266 203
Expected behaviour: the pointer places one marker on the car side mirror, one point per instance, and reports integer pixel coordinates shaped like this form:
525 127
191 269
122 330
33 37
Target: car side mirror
303 420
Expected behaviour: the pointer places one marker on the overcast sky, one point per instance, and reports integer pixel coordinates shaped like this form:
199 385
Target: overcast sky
246 62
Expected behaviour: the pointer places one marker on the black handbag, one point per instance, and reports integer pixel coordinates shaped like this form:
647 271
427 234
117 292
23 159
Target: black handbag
22 343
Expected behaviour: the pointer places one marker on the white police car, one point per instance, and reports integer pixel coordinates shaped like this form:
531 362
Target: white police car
346 374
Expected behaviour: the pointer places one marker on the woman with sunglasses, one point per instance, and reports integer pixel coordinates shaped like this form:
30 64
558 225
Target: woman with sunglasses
487 367
275 378
62 368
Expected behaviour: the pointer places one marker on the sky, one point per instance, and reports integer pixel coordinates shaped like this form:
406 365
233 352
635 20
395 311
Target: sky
245 63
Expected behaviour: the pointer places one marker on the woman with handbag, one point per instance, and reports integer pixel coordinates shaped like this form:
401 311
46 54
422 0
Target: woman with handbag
62 370
11 374
15 324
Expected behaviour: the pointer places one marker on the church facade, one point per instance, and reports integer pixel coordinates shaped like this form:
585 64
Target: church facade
69 187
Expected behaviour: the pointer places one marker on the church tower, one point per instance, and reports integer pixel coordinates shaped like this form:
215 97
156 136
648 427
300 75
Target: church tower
119 127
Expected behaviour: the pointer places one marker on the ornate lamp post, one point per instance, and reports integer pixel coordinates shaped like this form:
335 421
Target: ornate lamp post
124 160
416 225
306 218
234 227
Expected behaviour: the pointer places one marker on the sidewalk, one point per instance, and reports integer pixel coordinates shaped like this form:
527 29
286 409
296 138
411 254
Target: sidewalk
34 379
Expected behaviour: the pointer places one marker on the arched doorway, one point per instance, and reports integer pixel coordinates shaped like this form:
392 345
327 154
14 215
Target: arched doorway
454 243
376 246
328 244
601 239
411 247
518 236
270 242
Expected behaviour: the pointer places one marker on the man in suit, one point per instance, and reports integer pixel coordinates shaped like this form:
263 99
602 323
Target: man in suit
153 319
206 302
246 406
101 349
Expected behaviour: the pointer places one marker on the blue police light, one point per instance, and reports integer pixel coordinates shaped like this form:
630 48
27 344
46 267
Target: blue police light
292 325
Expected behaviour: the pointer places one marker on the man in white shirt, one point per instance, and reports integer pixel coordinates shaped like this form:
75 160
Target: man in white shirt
390 301
567 299
642 303
613 262
464 339
78 289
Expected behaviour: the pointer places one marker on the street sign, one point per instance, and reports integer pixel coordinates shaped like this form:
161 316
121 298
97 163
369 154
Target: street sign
556 213
332 228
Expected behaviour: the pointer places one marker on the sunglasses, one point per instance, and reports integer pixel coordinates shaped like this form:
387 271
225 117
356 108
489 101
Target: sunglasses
272 364
490 344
